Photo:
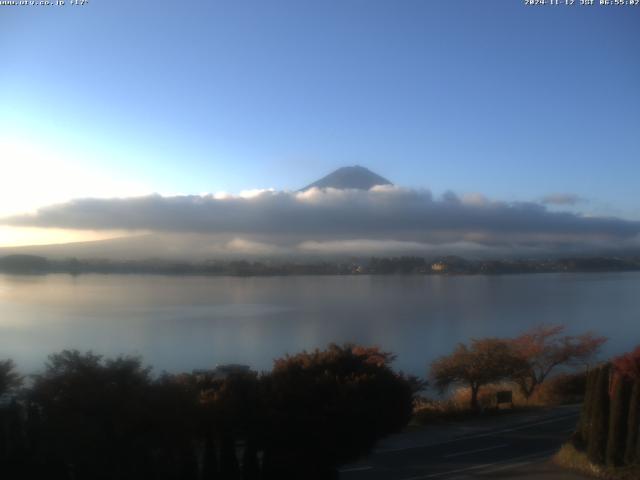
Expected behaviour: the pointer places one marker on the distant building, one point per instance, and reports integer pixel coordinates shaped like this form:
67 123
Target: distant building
439 267
359 269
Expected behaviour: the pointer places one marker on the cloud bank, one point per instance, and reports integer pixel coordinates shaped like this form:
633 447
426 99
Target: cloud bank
328 220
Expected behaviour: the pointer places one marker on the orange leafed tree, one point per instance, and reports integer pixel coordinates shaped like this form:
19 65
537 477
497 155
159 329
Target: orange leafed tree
544 348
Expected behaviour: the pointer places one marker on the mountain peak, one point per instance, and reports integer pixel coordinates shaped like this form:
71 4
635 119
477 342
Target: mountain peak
355 177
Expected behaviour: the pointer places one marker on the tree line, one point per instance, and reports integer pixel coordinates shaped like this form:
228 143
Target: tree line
86 416
33 264
90 417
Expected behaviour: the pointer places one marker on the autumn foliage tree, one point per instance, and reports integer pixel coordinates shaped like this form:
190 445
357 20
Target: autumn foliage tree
483 362
544 348
329 407
628 365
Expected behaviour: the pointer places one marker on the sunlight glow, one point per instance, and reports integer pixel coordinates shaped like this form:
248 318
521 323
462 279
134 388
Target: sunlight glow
36 175
21 236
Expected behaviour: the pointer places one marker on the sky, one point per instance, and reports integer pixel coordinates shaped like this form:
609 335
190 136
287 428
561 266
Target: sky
507 102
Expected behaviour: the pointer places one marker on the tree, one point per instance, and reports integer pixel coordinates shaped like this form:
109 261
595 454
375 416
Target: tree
628 367
233 410
485 361
174 420
599 417
618 414
9 378
11 424
94 413
329 407
544 348
633 425
587 406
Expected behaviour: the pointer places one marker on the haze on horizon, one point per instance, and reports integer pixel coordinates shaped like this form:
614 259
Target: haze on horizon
504 129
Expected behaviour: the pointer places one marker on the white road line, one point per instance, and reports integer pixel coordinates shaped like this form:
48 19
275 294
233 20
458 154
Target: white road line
356 469
469 452
511 466
503 465
480 435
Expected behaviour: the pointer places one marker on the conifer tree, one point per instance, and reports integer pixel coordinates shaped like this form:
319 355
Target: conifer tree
587 406
250 464
229 467
617 421
210 458
633 425
637 455
600 417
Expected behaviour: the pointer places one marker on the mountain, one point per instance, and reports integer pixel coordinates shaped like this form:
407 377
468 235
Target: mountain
356 177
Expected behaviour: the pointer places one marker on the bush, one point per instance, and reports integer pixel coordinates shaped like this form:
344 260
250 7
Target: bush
326 408
563 389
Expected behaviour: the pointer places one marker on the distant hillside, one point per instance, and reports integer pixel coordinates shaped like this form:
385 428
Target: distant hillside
355 177
29 264
24 264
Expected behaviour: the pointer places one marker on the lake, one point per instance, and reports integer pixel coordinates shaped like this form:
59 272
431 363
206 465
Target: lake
182 323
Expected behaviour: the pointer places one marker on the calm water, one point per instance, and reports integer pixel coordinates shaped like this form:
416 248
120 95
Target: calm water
181 323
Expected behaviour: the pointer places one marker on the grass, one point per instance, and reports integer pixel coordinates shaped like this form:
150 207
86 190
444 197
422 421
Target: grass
562 389
571 458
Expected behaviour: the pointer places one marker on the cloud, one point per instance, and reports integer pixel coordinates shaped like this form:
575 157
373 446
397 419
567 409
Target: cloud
319 219
364 246
562 199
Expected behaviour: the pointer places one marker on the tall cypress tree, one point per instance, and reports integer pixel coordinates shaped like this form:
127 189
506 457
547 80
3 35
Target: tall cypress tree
637 456
587 406
618 421
250 464
633 425
210 458
600 417
229 467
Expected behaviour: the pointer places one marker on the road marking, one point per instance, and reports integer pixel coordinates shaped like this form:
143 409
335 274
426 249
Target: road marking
511 466
356 469
480 435
469 452
504 465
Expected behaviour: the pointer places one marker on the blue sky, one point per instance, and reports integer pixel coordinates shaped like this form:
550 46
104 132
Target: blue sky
495 97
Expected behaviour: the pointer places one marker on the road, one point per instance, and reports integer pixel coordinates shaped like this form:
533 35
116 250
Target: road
513 446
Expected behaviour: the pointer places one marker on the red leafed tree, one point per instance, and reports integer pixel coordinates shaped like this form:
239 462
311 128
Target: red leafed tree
628 365
544 348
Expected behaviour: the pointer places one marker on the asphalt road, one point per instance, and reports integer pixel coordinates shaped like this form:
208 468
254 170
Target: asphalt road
517 448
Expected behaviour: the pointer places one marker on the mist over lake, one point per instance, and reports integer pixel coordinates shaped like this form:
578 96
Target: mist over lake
182 323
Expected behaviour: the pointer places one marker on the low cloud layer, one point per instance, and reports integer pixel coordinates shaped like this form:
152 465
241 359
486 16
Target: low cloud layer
330 220
562 199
